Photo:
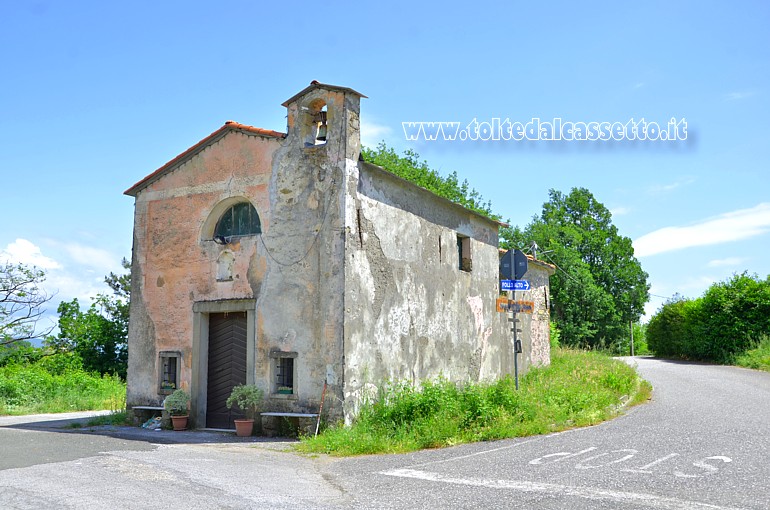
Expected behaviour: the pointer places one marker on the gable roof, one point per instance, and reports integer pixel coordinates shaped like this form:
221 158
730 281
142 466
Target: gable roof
192 151
318 85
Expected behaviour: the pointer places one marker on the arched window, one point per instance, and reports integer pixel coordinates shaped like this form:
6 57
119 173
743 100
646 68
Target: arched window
239 220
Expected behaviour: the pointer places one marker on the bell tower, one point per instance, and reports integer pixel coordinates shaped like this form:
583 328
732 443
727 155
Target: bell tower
323 115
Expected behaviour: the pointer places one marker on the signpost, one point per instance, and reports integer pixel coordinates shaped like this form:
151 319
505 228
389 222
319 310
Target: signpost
513 266
514 284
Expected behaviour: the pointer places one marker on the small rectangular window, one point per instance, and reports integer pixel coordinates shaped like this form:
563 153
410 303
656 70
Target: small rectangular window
169 365
284 372
464 253
285 375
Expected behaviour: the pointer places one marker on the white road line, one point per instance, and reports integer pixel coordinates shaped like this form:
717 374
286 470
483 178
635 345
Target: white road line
648 500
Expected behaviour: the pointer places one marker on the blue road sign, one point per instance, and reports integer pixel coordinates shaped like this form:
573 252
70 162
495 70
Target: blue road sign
514 284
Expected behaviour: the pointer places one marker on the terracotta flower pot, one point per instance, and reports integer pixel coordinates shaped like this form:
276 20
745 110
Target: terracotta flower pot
243 428
179 422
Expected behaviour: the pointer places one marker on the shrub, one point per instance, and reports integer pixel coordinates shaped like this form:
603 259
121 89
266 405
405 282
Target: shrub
50 386
176 403
248 398
719 326
758 357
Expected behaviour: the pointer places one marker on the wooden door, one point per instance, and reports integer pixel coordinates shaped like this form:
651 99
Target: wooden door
227 366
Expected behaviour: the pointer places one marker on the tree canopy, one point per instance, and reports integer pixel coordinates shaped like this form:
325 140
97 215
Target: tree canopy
730 318
21 303
410 167
98 335
599 286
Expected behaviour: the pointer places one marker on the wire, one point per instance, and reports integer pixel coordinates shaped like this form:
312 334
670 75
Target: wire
562 270
315 238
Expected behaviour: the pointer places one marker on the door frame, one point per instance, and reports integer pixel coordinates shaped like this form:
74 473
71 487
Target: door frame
200 349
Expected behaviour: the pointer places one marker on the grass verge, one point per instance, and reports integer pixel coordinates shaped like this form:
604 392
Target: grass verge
757 358
577 389
35 389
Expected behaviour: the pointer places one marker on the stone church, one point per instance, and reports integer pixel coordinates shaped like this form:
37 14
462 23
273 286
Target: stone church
287 261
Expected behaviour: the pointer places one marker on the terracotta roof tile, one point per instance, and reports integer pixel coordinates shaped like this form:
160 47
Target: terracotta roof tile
255 130
216 135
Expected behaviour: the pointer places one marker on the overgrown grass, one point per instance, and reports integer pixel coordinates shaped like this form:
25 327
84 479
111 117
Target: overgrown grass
758 357
55 386
116 418
577 389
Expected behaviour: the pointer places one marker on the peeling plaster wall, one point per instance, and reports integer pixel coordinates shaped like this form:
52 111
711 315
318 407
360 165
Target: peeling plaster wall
410 312
301 305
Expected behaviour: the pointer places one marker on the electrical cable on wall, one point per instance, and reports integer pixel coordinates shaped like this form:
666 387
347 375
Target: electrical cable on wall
312 244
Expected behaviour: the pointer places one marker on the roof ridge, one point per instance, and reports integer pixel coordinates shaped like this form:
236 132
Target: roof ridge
230 125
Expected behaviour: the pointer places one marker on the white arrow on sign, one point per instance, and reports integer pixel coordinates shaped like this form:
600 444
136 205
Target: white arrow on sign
514 284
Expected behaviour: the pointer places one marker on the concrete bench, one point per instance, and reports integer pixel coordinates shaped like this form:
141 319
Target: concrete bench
293 418
143 413
292 415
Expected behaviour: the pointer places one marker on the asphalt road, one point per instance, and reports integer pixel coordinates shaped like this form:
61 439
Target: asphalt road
703 442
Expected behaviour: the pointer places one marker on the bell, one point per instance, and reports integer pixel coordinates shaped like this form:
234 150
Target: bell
321 136
320 119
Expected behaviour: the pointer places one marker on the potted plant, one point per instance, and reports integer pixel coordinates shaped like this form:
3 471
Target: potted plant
247 398
285 390
176 405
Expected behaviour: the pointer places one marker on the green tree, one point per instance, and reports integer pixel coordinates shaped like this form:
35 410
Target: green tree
99 335
21 303
599 286
410 167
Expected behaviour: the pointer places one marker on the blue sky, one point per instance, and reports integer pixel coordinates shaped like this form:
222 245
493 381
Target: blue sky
96 95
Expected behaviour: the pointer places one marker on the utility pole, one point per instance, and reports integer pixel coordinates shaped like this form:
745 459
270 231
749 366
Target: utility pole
631 328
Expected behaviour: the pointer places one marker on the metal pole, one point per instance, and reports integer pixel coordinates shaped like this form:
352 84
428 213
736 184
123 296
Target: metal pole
320 409
515 350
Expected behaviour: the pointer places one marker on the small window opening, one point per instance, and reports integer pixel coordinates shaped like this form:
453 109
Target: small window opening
464 253
169 372
284 376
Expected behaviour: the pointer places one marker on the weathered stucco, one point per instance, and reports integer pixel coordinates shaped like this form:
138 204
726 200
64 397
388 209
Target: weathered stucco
411 313
355 273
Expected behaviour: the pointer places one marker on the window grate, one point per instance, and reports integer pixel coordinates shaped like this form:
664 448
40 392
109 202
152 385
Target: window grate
285 375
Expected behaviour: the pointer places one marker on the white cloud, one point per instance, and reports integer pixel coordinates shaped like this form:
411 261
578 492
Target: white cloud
372 134
73 271
738 95
666 188
25 252
95 258
731 226
728 262
620 211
